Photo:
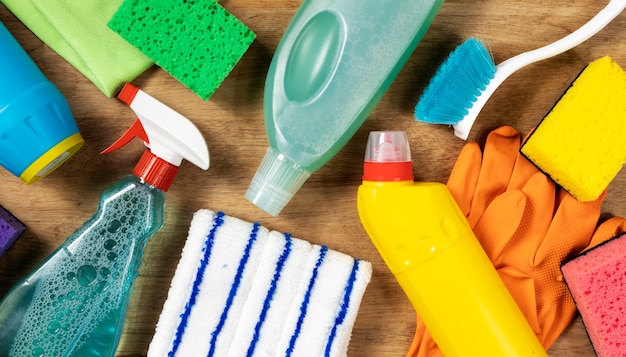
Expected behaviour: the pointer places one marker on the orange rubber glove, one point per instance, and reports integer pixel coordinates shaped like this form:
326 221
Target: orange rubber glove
528 226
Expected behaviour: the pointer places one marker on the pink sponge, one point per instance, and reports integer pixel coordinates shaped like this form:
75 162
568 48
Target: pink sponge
597 281
10 229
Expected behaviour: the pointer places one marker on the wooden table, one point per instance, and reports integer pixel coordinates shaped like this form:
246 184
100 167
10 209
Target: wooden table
324 210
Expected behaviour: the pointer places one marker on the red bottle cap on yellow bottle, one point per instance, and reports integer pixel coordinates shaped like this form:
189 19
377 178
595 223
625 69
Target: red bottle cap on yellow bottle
387 157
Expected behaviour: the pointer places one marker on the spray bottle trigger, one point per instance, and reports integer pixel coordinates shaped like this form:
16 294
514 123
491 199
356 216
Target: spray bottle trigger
135 131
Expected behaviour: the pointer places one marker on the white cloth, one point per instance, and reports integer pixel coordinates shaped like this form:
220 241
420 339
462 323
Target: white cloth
241 290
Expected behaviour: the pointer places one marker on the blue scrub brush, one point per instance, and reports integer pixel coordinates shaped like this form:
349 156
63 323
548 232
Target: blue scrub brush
468 77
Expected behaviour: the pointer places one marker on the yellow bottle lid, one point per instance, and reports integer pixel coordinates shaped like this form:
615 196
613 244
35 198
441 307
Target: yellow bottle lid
52 158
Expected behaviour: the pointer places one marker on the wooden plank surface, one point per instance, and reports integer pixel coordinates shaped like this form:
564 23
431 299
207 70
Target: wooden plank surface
324 210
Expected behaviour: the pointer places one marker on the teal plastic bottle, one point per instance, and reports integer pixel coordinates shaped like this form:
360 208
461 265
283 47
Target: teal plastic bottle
75 302
38 132
334 63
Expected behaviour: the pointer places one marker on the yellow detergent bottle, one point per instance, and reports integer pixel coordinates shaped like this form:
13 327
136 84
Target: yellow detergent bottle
426 242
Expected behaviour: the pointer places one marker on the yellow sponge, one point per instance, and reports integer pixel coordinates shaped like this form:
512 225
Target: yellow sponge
581 143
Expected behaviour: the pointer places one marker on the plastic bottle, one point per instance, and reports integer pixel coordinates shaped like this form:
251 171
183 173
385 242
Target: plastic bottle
332 66
38 132
426 242
75 302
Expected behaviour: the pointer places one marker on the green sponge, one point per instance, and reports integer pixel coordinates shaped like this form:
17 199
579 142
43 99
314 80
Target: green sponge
197 42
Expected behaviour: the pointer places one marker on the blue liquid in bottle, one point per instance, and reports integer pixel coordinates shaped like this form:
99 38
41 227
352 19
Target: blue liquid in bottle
75 303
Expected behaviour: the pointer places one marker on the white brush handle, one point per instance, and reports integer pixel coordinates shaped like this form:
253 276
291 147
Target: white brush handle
510 66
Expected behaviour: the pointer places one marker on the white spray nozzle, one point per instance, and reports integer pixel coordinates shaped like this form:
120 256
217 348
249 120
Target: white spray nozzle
170 136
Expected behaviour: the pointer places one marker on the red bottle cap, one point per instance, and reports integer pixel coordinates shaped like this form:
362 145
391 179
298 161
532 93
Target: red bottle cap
387 171
387 157
155 171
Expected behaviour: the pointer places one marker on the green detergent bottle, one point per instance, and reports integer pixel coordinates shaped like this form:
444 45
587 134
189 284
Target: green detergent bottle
334 63
75 302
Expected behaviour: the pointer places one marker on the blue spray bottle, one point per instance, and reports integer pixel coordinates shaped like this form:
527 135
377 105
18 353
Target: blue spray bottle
75 302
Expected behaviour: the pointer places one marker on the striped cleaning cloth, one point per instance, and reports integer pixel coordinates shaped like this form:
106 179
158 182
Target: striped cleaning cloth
242 290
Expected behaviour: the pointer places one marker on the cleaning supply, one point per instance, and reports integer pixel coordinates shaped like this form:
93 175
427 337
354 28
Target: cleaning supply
242 290
38 132
197 42
581 143
10 229
75 302
78 32
527 225
597 282
463 84
428 245
334 63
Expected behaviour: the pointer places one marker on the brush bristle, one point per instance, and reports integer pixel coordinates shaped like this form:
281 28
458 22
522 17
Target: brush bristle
457 84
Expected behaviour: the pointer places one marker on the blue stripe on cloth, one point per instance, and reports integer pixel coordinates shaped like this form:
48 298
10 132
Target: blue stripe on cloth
345 304
233 288
218 220
305 302
270 293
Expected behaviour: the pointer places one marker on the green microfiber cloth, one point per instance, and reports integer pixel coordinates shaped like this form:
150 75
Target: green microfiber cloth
197 42
77 30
